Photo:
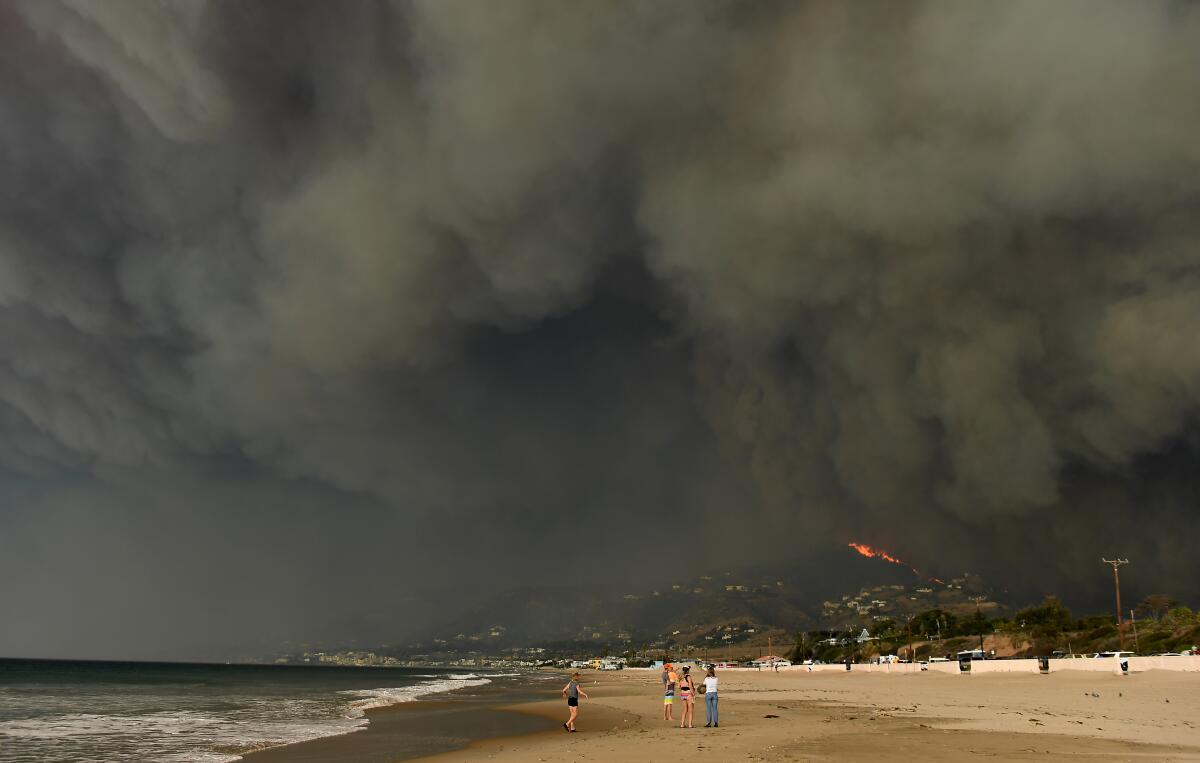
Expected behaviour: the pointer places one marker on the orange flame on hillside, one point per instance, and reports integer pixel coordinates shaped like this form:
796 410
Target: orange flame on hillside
874 553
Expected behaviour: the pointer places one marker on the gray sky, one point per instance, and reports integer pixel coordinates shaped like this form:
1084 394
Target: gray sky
308 310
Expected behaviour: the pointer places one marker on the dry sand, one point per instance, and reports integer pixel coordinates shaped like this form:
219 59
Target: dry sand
802 716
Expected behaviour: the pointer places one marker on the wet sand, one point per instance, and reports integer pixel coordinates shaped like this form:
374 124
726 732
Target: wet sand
846 717
410 730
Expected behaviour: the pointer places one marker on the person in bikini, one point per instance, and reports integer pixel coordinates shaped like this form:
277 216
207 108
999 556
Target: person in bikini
572 692
686 693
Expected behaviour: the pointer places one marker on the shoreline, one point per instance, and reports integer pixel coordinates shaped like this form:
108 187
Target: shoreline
440 721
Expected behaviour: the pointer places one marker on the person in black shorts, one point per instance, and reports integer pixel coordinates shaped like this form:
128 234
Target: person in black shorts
572 692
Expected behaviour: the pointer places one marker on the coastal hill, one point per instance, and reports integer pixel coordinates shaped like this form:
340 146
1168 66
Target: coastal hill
716 611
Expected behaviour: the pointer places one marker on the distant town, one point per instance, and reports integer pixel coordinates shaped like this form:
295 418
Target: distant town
724 620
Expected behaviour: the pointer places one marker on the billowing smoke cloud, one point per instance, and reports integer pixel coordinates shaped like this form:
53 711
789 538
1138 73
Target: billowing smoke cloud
393 286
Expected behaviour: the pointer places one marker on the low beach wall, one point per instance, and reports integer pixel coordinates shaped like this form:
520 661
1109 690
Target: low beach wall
1105 665
1191 663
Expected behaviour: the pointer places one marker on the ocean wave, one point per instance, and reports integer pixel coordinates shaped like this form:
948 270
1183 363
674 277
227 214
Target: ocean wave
210 736
156 736
466 676
372 698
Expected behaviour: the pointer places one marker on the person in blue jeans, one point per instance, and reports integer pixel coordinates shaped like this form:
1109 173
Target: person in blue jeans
710 697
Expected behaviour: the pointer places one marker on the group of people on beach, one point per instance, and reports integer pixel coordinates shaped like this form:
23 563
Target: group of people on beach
671 681
687 694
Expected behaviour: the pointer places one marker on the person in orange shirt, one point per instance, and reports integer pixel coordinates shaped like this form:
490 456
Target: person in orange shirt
670 679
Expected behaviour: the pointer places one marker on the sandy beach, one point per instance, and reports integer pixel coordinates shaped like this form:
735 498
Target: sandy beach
801 716
409 730
858 716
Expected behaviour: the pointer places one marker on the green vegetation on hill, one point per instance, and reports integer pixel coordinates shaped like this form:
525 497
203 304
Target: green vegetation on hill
1045 629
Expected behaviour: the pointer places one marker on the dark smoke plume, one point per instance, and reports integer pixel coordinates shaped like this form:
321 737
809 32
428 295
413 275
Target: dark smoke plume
300 300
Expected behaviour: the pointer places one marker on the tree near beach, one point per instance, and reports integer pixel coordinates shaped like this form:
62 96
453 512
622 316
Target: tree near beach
1038 630
800 652
935 623
1047 620
1155 606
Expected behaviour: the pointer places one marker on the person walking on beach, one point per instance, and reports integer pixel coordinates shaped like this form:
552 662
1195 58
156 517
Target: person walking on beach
669 679
686 693
572 692
710 697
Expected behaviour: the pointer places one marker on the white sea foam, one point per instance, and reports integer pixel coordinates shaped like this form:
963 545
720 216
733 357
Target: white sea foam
466 676
371 698
156 736
201 736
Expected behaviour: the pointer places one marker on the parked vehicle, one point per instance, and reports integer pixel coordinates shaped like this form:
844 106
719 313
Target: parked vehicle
770 661
1118 655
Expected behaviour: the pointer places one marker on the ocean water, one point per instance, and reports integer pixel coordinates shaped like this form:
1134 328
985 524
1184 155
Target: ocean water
122 711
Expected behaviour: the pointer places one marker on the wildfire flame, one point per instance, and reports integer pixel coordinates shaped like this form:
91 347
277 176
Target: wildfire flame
874 553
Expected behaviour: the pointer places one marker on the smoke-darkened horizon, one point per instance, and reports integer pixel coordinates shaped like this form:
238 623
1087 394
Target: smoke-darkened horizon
311 309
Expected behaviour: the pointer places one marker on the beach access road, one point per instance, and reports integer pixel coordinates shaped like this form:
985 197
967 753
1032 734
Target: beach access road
852 716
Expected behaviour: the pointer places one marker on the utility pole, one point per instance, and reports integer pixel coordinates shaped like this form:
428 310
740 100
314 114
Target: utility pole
1116 563
978 599
911 659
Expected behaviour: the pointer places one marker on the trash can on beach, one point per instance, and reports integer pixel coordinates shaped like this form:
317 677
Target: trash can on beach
1043 665
964 664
